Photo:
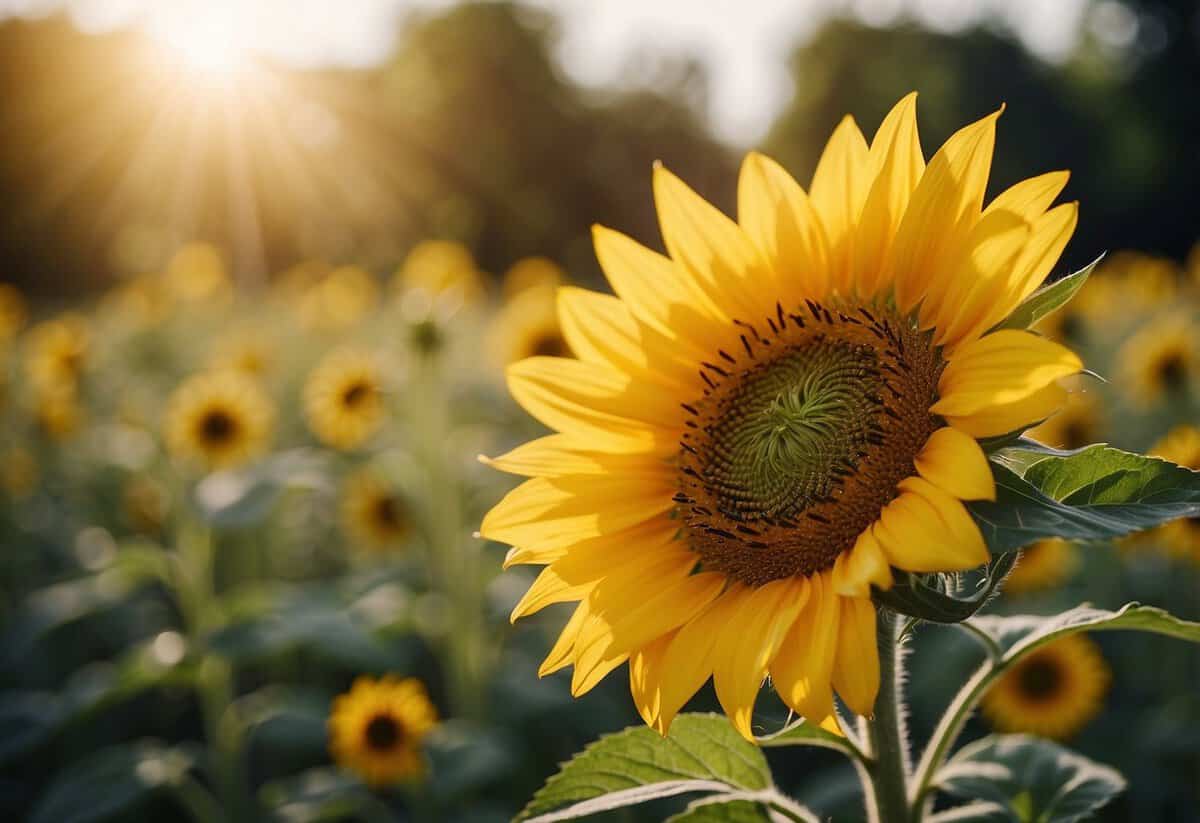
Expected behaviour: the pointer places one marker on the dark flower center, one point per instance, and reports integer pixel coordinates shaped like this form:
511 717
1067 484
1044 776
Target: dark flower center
1172 371
217 426
383 732
549 344
801 438
388 512
1040 679
356 393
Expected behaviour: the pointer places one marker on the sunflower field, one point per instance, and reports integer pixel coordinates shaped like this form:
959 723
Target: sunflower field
863 494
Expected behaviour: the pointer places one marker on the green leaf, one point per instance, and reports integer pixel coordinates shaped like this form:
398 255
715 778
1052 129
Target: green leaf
321 794
925 597
803 733
1047 299
236 498
703 753
718 810
110 782
1019 635
1032 779
1095 493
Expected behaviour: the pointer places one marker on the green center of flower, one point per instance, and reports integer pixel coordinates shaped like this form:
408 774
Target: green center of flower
801 439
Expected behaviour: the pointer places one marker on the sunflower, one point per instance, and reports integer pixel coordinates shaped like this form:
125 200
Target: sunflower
343 399
12 311
55 352
1163 359
531 273
1076 425
19 472
374 513
339 300
441 267
760 424
1042 565
1182 446
376 729
245 351
1053 692
527 326
57 411
196 272
220 418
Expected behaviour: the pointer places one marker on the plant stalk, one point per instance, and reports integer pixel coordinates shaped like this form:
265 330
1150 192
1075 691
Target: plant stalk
885 736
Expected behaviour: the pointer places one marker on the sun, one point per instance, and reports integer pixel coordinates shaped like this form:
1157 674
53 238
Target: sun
206 42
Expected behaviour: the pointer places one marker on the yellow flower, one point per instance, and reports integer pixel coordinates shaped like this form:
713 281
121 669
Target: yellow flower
339 300
246 351
374 513
1078 424
56 351
532 273
1163 359
343 399
759 425
197 272
57 410
1180 537
377 729
1043 565
441 267
12 311
527 326
220 418
1053 692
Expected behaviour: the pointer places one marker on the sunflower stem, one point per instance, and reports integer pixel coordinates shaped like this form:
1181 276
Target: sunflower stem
887 769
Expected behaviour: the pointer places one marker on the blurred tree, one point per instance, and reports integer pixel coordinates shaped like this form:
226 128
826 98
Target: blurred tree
1122 117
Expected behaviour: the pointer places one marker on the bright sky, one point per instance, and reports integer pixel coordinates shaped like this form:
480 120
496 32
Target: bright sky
745 43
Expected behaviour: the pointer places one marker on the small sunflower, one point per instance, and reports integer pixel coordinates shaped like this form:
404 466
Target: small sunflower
339 300
343 399
377 729
761 424
220 418
1078 424
531 273
12 311
527 326
246 352
1161 360
1042 565
374 513
1053 691
197 272
442 267
56 351
1181 537
57 411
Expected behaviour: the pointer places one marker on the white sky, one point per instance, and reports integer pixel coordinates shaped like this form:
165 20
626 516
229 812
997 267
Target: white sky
745 43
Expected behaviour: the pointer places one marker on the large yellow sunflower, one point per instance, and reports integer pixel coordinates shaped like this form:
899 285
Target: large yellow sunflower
1052 692
759 425
343 398
377 728
220 418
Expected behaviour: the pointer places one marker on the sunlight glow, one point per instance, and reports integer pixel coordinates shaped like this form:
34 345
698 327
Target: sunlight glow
209 41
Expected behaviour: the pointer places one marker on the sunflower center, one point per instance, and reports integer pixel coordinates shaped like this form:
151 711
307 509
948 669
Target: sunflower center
1172 371
548 344
1040 679
383 732
217 426
387 513
800 440
356 393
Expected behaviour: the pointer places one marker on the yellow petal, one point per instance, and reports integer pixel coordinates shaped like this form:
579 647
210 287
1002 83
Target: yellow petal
803 667
557 455
709 247
549 588
942 210
779 219
926 530
1000 368
561 654
896 168
955 463
1010 417
748 643
645 675
856 668
839 189
1030 198
863 566
647 535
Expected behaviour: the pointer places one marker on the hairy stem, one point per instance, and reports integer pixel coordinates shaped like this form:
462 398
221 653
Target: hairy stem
885 735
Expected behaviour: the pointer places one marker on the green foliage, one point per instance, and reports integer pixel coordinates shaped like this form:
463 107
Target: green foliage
1096 493
934 597
242 497
1048 299
1020 779
1019 635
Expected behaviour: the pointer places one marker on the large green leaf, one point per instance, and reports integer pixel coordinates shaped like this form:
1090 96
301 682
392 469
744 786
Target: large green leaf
719 810
1031 780
803 733
1096 493
1019 635
235 498
932 597
1048 299
703 753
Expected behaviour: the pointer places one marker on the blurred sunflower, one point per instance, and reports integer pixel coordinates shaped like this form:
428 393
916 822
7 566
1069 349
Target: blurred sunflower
57 411
339 300
343 398
246 351
56 350
1076 425
1045 564
220 418
1182 446
441 267
12 312
759 425
527 326
1161 360
377 729
531 273
197 272
1053 691
374 513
